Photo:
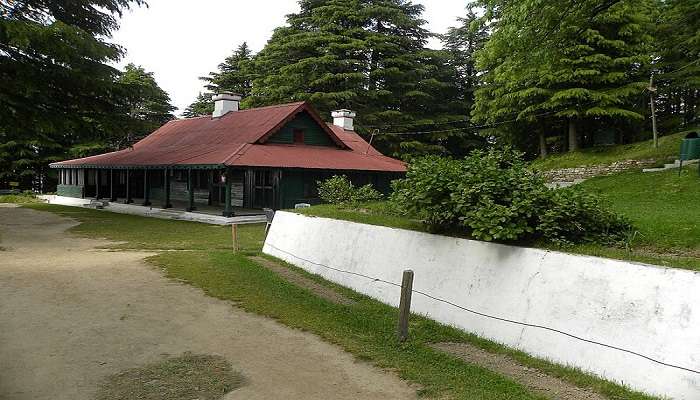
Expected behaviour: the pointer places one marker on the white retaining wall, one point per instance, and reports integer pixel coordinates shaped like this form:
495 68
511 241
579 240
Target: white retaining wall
650 310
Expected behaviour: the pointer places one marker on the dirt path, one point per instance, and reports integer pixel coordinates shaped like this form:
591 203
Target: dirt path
71 316
537 381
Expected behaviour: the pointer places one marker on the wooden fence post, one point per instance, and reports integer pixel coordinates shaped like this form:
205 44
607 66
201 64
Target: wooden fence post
405 304
234 237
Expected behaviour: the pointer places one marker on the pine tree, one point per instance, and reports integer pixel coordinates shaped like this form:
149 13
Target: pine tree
148 105
678 67
571 65
461 43
235 75
366 55
203 105
58 88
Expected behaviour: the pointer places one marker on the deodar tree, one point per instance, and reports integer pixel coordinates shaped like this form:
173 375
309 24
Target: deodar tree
59 93
677 70
575 66
234 74
366 55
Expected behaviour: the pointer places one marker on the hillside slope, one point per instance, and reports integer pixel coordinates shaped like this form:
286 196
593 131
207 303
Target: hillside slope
669 147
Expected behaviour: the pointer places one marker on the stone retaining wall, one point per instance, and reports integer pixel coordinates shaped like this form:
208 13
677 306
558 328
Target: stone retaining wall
585 172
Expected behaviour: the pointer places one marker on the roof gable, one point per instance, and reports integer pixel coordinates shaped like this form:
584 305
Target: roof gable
305 107
312 133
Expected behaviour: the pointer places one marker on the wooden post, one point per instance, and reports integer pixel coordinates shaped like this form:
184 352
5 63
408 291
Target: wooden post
190 190
97 184
166 189
405 304
228 212
111 185
128 199
210 186
234 237
146 189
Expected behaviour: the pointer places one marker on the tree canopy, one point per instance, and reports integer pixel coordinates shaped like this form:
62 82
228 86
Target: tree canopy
60 95
235 75
564 65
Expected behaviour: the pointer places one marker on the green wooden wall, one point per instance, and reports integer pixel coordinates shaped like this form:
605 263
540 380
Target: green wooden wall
313 134
299 186
70 190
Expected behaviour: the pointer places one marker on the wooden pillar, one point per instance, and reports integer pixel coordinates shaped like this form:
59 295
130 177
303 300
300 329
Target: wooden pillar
210 177
228 211
166 189
84 185
111 185
97 184
128 188
146 189
190 191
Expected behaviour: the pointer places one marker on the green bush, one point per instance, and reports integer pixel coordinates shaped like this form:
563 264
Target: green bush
575 216
494 196
339 190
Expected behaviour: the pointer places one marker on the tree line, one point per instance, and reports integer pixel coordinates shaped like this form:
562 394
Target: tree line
541 75
59 95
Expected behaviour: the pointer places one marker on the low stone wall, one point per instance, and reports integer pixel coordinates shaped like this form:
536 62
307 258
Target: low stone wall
585 172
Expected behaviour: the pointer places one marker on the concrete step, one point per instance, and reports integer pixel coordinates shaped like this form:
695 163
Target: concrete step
676 164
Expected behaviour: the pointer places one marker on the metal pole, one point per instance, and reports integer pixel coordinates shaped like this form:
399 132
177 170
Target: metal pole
405 304
652 91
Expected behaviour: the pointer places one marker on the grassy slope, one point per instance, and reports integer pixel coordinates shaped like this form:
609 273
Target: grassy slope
669 147
365 329
659 204
664 207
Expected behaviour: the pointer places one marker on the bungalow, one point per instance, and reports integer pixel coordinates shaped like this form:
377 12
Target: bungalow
267 157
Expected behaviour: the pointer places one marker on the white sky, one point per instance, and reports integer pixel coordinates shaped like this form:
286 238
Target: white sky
180 42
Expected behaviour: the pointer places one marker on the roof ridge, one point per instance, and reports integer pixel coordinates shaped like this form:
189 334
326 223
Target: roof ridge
296 103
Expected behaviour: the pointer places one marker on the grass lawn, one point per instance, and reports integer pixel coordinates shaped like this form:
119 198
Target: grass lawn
365 328
22 198
135 232
664 208
669 147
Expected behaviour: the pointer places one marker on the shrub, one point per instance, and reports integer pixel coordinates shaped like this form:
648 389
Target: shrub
575 216
494 196
339 190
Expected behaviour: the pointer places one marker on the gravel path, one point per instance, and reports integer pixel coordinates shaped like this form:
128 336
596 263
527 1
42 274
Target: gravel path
71 315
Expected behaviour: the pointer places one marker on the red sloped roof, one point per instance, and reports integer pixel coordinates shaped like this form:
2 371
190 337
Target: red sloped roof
238 139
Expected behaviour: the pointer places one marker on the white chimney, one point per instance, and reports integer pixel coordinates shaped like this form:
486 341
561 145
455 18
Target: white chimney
344 119
225 102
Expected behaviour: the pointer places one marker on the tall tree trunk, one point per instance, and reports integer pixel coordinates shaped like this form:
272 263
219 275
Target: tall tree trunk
573 140
543 144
